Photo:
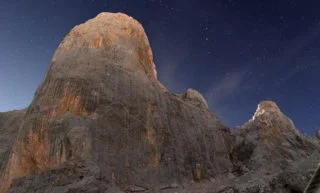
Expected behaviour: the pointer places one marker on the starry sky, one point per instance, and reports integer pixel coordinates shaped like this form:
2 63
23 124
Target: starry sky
235 52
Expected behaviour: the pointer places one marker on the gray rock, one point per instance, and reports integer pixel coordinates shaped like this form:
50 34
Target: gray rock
9 126
195 98
101 122
278 157
318 133
101 101
76 175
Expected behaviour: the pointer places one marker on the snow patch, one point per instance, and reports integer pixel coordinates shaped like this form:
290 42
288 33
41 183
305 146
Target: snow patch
260 111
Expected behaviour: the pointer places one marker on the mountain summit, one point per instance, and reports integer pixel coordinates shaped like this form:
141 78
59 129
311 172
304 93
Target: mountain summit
270 134
266 107
107 40
102 122
271 150
101 103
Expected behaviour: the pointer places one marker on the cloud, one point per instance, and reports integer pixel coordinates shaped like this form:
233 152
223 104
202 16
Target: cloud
227 86
296 70
291 57
222 92
168 58
299 44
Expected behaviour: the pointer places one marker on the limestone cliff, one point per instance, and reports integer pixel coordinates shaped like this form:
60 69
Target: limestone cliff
9 126
101 122
101 101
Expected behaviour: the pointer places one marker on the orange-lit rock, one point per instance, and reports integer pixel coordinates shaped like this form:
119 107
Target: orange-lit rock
102 122
101 101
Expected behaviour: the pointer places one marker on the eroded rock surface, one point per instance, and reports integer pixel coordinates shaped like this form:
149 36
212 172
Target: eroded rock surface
9 126
107 40
73 176
102 122
271 149
195 98
101 101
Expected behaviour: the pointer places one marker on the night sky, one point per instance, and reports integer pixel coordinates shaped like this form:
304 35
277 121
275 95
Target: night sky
235 52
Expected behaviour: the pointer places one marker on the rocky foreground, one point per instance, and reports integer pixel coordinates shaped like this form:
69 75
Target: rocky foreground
102 122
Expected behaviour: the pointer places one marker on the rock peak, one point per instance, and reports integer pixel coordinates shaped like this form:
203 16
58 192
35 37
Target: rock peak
195 98
114 39
266 107
269 105
102 85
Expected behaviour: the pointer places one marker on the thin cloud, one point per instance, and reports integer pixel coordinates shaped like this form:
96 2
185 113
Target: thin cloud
293 50
300 44
296 70
226 87
221 93
169 58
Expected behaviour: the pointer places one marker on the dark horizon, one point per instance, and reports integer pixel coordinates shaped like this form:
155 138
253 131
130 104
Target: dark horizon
236 53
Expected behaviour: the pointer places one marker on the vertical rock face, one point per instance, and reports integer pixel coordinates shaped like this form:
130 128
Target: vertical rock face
9 126
101 101
102 122
318 133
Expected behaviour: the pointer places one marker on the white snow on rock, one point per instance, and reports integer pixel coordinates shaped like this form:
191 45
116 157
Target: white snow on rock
260 111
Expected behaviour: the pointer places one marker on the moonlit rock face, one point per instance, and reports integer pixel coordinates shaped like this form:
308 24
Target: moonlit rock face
102 122
318 133
265 107
195 97
9 126
258 112
101 103
271 135
108 39
270 145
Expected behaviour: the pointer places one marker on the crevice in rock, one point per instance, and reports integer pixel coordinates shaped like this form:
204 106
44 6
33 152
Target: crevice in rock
292 189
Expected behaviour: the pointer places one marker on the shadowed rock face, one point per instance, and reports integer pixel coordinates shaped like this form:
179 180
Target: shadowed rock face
271 135
101 101
270 151
318 133
102 122
264 166
9 126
